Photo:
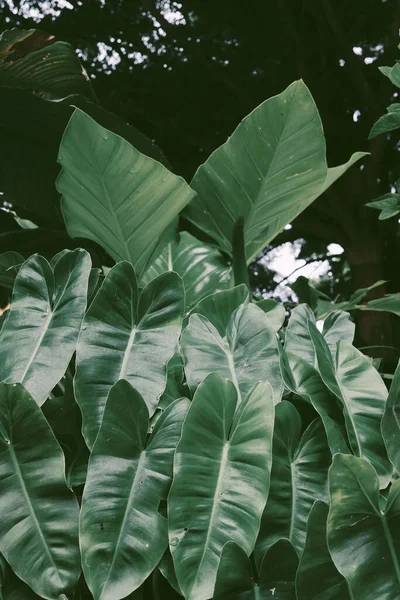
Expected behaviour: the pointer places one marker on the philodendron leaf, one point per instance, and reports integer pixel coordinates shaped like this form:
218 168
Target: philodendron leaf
12 587
39 523
391 421
362 394
218 307
123 541
299 476
221 480
278 571
114 195
275 312
42 325
270 169
363 539
297 338
10 262
126 335
247 352
203 268
317 577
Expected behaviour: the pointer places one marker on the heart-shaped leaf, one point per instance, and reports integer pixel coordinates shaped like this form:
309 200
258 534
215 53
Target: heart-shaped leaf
221 480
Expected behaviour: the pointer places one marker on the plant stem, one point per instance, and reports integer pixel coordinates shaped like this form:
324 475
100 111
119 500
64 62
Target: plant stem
240 271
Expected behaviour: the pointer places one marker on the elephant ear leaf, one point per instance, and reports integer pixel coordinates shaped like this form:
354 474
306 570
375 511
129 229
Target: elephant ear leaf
43 323
42 551
391 421
113 195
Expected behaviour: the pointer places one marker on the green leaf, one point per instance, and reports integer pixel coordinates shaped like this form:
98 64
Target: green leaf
363 539
33 59
389 303
270 169
39 524
221 480
297 338
393 73
42 325
203 268
15 589
362 394
126 336
248 353
278 571
386 123
317 577
275 312
306 382
218 307
10 262
123 541
114 195
391 421
299 477
338 326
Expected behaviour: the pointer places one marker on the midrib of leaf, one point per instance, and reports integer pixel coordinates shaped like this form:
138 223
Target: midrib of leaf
31 509
216 500
392 550
129 503
350 415
45 328
294 495
127 353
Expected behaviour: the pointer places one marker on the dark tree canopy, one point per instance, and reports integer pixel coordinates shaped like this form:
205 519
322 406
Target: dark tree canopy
185 73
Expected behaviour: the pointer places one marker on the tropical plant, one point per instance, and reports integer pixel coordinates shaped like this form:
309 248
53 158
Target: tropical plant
162 432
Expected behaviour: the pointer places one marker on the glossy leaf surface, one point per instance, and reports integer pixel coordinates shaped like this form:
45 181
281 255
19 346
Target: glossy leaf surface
126 336
391 421
39 524
123 540
218 307
247 353
299 476
270 169
317 577
203 268
363 539
221 480
42 325
114 195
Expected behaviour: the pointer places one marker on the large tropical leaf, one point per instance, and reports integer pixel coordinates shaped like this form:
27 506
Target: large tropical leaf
221 480
360 390
363 539
114 195
39 514
269 171
126 335
218 307
123 541
34 60
13 588
10 263
42 325
247 353
274 310
391 421
203 268
317 577
236 580
299 476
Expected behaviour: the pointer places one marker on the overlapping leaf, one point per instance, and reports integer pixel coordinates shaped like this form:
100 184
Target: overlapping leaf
221 480
126 336
39 524
299 477
116 196
270 169
218 307
42 325
123 541
391 421
247 353
203 268
362 394
363 539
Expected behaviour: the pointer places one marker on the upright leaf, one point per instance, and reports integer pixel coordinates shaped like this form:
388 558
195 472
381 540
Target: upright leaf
39 524
42 325
126 336
248 353
123 541
270 169
221 480
297 338
114 195
278 571
338 326
203 268
276 312
391 421
363 539
235 579
317 577
299 476
362 394
218 307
